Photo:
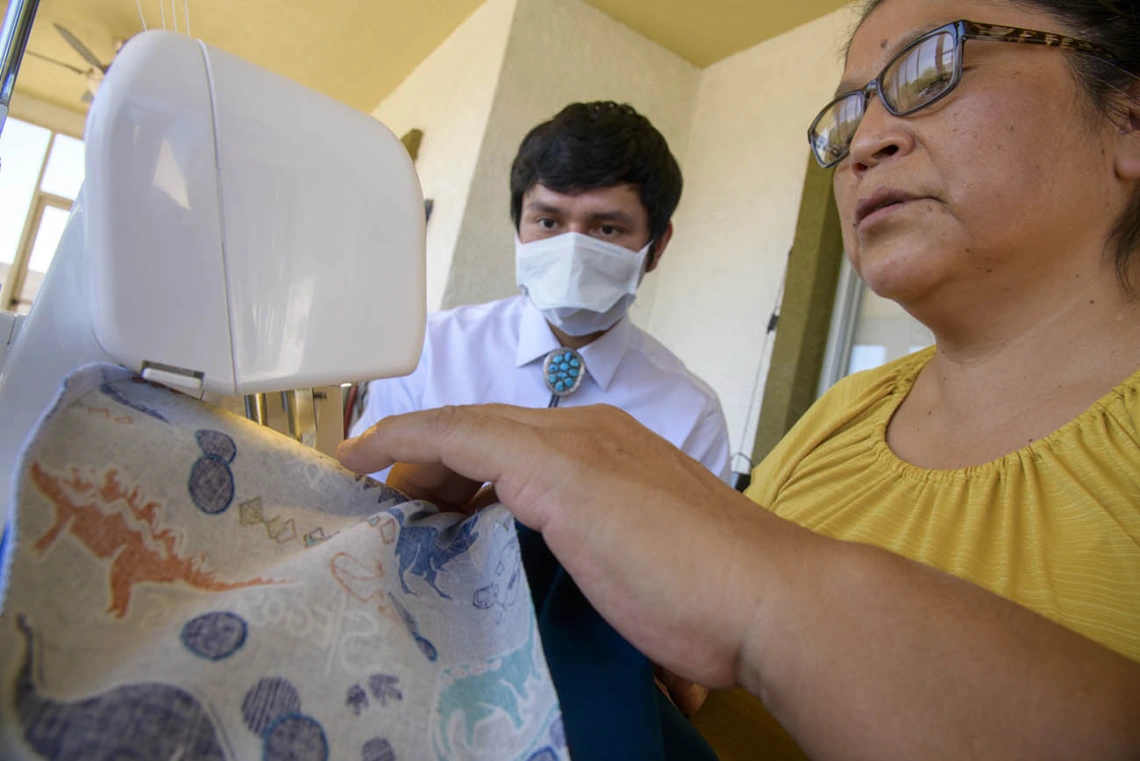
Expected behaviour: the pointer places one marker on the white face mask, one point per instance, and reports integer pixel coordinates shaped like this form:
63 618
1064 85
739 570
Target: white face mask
581 285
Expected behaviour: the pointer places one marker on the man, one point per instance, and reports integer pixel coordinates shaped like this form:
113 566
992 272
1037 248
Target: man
593 191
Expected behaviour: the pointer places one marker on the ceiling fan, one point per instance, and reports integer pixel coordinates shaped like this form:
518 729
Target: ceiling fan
98 69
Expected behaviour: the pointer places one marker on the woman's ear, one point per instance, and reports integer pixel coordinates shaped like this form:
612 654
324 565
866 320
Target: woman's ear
1127 161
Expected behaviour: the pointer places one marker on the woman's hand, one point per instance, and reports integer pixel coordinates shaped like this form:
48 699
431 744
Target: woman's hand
663 549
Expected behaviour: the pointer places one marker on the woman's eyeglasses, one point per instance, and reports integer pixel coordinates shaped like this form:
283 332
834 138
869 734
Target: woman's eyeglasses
924 72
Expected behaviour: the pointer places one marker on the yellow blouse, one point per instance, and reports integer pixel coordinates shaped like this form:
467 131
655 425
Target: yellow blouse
1054 526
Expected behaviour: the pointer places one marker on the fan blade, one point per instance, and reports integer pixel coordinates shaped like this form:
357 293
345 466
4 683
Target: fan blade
80 48
76 69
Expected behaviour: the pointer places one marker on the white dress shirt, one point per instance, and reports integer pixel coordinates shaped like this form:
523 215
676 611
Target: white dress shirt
493 353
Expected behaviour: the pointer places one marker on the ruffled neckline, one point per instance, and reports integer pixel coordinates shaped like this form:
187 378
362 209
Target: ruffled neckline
901 387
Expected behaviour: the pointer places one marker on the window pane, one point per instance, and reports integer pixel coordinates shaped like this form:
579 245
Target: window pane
866 357
65 170
47 238
22 149
884 332
43 250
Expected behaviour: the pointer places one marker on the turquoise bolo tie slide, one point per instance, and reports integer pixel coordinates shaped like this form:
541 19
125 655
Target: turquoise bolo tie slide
563 371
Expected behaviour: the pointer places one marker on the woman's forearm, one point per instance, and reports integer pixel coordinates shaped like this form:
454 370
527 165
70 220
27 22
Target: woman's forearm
865 655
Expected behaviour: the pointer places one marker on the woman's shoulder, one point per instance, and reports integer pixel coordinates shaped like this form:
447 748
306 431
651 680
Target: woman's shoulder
1122 405
856 401
863 388
852 397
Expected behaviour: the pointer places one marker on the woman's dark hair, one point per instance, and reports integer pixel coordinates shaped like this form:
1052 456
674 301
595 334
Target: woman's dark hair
598 145
1114 25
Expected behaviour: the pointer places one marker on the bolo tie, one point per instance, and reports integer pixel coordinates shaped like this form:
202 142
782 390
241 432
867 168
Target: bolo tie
563 370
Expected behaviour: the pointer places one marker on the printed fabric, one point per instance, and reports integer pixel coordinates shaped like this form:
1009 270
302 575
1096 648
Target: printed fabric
188 585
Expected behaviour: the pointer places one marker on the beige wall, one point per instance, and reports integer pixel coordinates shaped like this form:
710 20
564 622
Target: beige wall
449 97
744 172
558 52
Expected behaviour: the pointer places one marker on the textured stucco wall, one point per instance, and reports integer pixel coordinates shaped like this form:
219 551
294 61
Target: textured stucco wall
449 97
744 171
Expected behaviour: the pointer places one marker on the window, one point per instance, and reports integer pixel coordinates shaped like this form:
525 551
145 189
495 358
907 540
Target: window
867 331
40 176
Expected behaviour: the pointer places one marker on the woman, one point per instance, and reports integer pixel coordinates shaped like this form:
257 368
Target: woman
992 190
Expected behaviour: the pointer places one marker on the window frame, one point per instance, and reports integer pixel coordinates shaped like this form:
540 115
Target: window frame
12 288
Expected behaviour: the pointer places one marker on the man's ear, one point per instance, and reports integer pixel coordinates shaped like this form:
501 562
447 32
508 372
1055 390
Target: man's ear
1127 160
659 247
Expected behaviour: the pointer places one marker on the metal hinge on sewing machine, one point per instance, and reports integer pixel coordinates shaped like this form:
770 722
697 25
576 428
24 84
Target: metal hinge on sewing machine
186 381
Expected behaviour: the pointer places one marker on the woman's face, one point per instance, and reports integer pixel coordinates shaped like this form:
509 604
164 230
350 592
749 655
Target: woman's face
1009 175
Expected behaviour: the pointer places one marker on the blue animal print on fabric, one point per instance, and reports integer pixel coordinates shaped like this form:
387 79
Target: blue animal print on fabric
558 733
214 636
267 701
377 749
383 687
295 737
425 550
543 754
211 482
503 590
356 699
149 720
478 692
426 647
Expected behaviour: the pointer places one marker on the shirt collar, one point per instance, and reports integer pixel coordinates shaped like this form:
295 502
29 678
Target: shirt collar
535 337
602 357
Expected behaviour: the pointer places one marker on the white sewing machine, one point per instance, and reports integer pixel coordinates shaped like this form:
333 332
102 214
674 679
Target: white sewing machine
236 234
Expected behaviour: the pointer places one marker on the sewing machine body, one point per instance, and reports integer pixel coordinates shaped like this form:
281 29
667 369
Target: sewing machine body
236 234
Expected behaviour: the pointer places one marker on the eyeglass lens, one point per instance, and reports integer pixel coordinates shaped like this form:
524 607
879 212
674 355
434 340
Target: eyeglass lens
913 80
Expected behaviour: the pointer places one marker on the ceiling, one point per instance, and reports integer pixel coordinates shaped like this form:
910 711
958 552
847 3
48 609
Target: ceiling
364 50
706 31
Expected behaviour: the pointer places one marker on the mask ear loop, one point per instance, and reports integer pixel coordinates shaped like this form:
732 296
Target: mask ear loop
650 254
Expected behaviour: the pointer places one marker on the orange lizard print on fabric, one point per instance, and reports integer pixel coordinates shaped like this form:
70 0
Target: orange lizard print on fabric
116 523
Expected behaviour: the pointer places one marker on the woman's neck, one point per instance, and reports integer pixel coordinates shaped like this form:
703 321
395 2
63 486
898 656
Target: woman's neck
1049 325
1017 371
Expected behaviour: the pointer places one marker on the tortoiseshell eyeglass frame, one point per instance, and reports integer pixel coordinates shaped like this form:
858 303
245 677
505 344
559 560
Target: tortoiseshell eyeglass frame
961 30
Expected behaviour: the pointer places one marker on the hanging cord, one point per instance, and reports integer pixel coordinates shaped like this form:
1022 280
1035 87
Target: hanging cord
162 7
138 4
186 14
174 13
773 320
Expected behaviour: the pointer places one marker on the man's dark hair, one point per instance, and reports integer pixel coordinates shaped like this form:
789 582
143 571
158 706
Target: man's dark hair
599 145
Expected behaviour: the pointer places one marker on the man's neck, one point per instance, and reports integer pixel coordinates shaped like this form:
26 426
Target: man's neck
577 342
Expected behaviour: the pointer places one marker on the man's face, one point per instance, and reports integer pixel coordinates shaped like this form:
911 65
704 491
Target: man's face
612 214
